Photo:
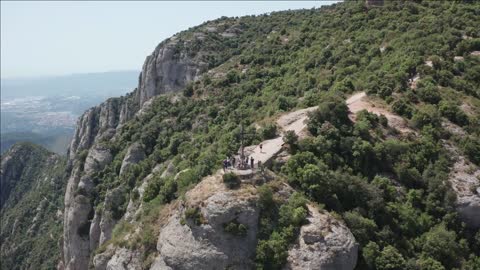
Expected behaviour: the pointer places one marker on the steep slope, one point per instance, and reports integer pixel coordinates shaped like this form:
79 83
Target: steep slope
133 159
174 63
32 187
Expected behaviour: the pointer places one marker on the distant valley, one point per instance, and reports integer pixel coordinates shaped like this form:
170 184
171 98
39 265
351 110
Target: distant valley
45 110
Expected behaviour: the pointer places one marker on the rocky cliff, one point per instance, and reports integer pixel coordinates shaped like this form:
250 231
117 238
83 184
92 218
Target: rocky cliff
32 187
173 64
169 68
143 191
201 240
465 180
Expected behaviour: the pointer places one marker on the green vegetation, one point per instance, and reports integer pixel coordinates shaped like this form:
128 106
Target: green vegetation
279 225
193 214
30 222
231 180
268 132
390 189
235 228
404 219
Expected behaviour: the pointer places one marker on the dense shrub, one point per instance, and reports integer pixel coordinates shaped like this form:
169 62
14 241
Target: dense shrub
427 115
429 93
235 228
471 146
333 110
453 113
268 132
231 180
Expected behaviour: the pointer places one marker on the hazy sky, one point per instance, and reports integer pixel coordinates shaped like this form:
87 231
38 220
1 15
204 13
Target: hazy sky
55 38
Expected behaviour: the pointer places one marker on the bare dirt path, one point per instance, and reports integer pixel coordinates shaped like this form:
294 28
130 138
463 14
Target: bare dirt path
295 121
359 101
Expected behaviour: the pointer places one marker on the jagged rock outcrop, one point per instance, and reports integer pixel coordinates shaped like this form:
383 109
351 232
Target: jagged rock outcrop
465 180
98 157
135 153
173 64
118 259
125 259
199 240
205 244
12 166
114 199
168 69
324 243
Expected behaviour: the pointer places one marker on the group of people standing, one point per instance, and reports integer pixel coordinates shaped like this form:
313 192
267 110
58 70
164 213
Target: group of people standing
242 163
232 162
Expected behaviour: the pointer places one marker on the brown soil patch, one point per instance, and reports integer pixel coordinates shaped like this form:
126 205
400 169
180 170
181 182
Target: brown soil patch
360 101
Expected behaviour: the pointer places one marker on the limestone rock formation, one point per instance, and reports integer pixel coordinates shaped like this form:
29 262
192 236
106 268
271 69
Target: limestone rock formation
205 244
135 154
199 240
97 158
12 166
324 243
167 70
125 259
465 181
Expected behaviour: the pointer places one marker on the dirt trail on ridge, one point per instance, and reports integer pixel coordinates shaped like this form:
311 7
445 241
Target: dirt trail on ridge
359 101
296 121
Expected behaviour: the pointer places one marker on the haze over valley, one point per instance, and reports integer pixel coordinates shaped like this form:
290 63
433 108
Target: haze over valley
45 110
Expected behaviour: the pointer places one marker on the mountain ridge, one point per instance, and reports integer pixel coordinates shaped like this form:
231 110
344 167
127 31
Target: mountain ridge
144 188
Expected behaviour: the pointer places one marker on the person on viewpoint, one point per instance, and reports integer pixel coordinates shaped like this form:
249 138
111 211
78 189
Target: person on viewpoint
251 162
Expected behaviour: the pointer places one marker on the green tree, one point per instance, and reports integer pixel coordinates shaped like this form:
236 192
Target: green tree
370 253
429 264
390 259
362 228
333 109
442 245
426 115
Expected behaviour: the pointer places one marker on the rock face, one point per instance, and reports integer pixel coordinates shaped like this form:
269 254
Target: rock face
201 242
464 178
125 259
206 244
17 165
118 259
167 69
13 164
114 199
98 157
324 243
135 154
